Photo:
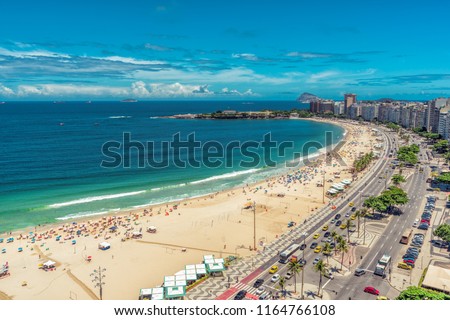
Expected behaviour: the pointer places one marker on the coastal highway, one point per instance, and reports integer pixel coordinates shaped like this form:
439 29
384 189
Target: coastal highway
372 186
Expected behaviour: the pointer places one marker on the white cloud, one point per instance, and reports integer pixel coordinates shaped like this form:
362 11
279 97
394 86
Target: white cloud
131 60
245 56
316 77
156 47
31 54
138 89
308 55
5 91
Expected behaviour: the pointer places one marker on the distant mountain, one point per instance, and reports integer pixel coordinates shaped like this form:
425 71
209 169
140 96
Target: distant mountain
386 100
306 97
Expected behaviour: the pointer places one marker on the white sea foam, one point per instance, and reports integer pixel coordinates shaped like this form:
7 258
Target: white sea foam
97 198
119 117
168 187
86 214
225 176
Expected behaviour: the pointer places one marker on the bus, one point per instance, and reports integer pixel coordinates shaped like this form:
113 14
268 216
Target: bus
284 256
406 236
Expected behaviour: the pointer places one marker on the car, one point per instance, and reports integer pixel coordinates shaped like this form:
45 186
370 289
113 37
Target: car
313 245
416 223
326 234
273 269
423 226
353 217
426 216
316 259
291 224
240 295
260 290
317 235
301 262
275 277
303 246
382 298
329 275
418 239
409 262
403 265
337 217
347 214
265 296
359 272
343 226
288 275
353 209
407 257
338 223
318 249
416 244
425 221
333 221
419 235
332 246
325 228
412 253
412 249
258 283
326 252
371 290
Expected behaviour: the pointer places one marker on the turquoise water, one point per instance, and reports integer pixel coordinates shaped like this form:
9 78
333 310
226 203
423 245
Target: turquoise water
51 155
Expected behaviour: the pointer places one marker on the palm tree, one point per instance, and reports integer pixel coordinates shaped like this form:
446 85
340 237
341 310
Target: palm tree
359 214
322 269
343 248
327 248
397 179
335 236
295 268
282 284
348 225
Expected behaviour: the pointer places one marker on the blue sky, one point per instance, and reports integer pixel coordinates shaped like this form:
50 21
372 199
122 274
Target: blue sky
115 49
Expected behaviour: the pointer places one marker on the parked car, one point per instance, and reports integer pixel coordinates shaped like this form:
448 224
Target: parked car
409 262
423 226
343 226
353 209
329 275
318 249
316 235
338 223
327 234
403 265
359 272
313 245
316 259
325 228
240 295
371 290
337 217
333 221
288 275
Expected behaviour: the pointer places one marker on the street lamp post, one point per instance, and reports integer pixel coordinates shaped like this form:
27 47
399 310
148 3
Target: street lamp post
303 268
97 277
254 225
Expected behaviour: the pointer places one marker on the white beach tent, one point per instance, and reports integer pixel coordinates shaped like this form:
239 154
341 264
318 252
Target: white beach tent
49 264
346 181
104 245
332 191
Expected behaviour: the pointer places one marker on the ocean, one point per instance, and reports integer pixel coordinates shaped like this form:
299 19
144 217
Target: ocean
60 160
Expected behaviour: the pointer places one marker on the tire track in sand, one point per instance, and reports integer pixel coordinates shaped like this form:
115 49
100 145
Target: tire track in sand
82 285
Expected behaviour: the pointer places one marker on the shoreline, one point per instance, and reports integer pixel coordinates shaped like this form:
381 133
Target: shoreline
120 211
216 223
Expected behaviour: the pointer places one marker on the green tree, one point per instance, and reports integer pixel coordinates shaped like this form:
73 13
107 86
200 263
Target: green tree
349 224
282 284
375 203
295 268
416 293
444 177
321 268
360 214
327 250
443 232
397 179
441 146
343 249
335 236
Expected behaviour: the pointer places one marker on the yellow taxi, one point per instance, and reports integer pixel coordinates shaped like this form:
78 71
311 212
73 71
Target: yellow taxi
382 298
403 265
351 204
325 228
353 217
326 252
343 226
273 269
318 249
317 235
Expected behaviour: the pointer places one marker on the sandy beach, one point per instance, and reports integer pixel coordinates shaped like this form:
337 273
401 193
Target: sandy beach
215 224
